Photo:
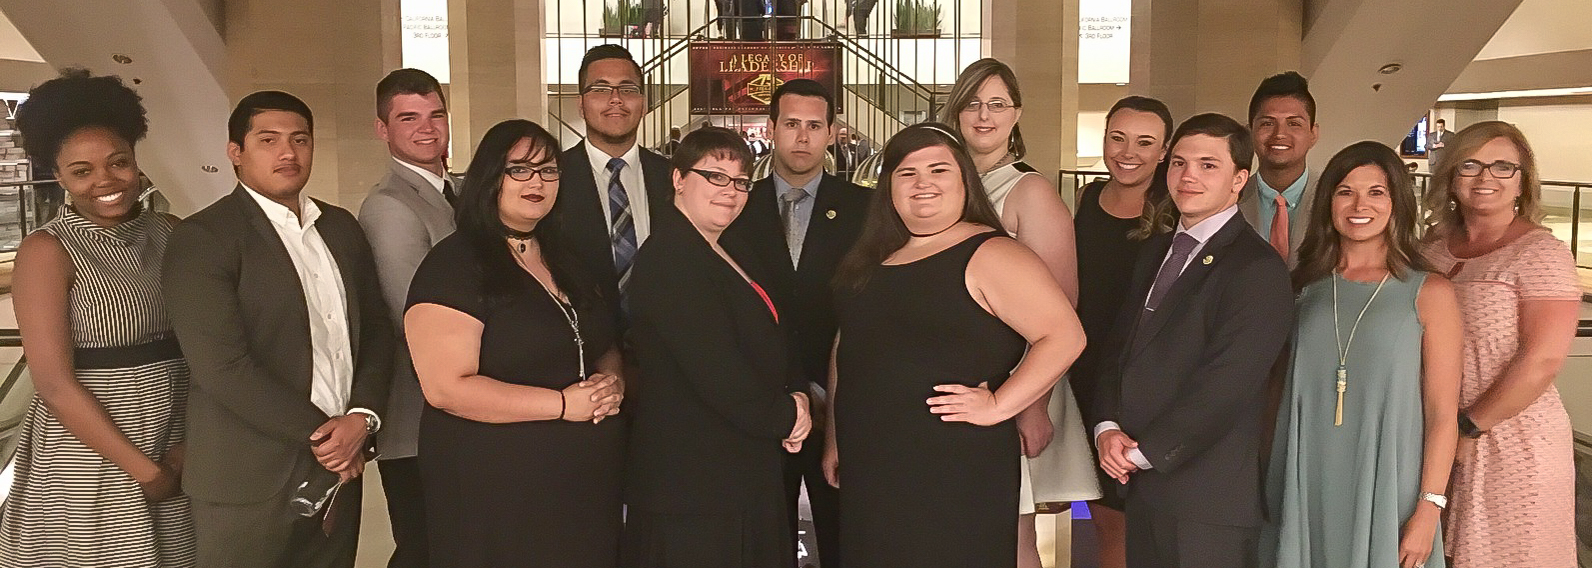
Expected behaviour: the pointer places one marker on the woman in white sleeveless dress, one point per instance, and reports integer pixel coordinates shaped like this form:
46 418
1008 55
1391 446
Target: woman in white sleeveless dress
984 107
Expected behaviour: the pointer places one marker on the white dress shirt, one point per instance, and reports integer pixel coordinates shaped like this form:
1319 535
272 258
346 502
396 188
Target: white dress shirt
635 188
1202 233
325 298
435 180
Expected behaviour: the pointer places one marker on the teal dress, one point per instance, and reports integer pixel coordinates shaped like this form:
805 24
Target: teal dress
1339 495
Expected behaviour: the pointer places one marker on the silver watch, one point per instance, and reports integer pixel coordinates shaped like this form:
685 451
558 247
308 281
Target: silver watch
1440 500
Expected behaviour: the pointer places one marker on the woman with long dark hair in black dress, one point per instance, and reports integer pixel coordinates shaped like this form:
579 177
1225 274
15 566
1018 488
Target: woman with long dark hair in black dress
516 355
1115 217
936 307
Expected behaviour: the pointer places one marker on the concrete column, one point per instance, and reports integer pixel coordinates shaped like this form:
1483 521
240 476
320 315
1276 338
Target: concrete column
496 59
331 54
1208 55
1039 40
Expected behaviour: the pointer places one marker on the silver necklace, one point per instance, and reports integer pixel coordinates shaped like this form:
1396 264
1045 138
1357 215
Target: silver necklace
565 309
1343 347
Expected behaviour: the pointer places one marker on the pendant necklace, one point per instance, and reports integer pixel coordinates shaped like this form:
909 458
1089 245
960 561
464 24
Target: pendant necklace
566 309
1344 346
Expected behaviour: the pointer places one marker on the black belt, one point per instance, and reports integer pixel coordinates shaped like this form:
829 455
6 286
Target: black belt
129 356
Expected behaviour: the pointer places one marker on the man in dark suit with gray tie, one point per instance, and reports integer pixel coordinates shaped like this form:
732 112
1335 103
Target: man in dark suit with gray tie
612 191
797 225
406 213
274 298
1178 418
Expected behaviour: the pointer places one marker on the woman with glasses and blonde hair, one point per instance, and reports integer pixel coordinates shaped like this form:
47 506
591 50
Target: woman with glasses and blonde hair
1513 495
984 108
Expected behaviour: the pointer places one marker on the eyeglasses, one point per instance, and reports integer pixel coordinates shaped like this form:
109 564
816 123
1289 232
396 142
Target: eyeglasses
742 185
996 106
1500 169
609 90
524 173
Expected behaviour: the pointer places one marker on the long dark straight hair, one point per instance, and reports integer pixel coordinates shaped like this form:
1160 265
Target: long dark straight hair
478 219
883 232
1321 250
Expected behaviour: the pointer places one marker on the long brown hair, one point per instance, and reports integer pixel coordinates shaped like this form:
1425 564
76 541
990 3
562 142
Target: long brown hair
1443 210
1159 213
967 85
1322 249
883 232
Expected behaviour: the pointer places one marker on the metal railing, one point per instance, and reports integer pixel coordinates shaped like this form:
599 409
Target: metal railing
1561 199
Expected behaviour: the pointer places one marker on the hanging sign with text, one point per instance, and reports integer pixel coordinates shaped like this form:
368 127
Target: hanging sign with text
739 77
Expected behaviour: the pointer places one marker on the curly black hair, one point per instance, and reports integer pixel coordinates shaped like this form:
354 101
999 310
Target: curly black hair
77 99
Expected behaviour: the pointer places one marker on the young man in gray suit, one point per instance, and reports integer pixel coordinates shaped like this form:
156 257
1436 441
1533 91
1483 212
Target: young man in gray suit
274 298
404 215
1282 118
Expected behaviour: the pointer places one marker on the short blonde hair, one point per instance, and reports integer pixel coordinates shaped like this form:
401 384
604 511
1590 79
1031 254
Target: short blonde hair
1443 214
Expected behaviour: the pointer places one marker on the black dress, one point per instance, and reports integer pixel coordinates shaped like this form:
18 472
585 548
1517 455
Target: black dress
1105 273
915 490
534 494
705 480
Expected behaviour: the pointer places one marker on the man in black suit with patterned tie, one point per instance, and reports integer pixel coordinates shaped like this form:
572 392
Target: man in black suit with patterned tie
797 225
613 190
1178 417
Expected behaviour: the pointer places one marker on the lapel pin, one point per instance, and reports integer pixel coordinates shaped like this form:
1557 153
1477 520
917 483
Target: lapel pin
1209 259
830 214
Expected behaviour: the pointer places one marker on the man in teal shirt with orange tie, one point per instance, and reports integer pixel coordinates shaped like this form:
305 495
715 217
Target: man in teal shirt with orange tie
1282 119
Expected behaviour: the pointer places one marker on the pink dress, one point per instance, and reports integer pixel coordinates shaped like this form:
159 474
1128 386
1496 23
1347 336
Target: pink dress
1513 503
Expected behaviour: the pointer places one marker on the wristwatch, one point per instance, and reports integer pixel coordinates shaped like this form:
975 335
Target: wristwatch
1435 499
372 422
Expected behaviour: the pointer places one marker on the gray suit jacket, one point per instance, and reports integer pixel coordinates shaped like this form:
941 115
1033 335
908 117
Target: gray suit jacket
404 216
1249 204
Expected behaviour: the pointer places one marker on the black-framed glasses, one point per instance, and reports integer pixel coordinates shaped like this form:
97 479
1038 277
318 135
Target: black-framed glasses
995 106
524 173
721 179
1499 169
609 90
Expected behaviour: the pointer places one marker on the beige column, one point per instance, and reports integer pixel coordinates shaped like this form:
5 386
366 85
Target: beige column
1208 55
1039 40
331 54
497 65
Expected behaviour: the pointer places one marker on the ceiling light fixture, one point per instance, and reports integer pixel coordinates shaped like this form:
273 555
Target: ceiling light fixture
122 59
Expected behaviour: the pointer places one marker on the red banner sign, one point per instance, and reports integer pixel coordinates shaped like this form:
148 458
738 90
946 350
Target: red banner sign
739 77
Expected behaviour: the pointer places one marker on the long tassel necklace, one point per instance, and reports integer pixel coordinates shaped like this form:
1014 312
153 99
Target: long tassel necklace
1343 347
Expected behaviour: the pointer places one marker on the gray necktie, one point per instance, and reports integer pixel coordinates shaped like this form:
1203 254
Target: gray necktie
789 205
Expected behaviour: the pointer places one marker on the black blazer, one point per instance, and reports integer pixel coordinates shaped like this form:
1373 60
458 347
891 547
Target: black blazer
1189 383
239 312
582 225
803 293
711 405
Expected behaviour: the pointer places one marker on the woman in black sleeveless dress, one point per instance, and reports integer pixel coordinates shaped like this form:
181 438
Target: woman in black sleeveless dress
936 306
519 456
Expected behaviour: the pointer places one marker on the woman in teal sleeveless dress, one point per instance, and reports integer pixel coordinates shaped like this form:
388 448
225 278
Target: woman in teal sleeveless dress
1366 431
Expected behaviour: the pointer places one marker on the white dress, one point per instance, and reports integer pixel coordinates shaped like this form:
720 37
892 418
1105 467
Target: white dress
1064 472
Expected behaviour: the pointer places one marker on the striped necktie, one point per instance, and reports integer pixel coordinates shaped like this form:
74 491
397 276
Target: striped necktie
623 231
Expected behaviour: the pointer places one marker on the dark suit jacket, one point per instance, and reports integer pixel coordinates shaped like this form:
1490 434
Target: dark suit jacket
711 406
582 224
1189 383
239 312
802 293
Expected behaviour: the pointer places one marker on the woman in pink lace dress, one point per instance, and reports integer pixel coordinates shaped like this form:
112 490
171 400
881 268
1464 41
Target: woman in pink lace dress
1512 500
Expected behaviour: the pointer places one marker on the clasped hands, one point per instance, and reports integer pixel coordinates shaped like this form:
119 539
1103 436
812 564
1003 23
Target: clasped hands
804 423
593 399
1114 446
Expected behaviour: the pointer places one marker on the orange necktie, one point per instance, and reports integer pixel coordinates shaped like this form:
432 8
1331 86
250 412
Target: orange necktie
1279 228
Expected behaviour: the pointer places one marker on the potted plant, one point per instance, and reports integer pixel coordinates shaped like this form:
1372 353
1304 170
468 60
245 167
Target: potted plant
622 18
916 19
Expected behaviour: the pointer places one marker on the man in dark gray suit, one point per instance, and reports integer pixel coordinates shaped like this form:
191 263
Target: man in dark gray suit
274 298
1178 414
1435 142
404 216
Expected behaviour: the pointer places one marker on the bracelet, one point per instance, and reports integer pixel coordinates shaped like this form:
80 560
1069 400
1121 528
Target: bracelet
1467 428
1440 500
563 405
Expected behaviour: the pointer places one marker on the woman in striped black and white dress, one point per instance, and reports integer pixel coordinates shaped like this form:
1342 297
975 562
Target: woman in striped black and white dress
100 457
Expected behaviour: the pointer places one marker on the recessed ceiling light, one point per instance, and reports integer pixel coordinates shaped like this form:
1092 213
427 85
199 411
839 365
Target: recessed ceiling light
210 169
122 59
1390 69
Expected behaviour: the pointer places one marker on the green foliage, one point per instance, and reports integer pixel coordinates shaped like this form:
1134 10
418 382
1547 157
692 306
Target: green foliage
622 13
917 16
